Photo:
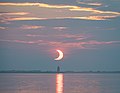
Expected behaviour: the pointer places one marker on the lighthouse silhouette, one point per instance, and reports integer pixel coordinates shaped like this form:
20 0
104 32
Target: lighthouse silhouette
58 69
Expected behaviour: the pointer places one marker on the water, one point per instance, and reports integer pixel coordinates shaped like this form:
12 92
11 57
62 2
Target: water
59 83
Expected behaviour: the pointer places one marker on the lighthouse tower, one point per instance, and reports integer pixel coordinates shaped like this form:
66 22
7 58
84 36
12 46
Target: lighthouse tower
58 69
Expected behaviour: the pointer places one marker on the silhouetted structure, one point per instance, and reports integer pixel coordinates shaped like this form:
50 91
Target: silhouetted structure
58 69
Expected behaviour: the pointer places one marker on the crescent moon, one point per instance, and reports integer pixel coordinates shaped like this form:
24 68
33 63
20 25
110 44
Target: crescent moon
60 55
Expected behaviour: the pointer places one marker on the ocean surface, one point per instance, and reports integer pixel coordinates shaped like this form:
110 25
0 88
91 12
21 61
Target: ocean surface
59 83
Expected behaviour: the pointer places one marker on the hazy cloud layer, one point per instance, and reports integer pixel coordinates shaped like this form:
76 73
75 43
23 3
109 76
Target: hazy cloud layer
56 35
50 11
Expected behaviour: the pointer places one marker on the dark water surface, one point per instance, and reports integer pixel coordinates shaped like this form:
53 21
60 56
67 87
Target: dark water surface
59 83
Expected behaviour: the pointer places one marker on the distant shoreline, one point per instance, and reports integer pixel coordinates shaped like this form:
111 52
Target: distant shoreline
14 71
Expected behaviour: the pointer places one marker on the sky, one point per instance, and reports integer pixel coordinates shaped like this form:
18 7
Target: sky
86 31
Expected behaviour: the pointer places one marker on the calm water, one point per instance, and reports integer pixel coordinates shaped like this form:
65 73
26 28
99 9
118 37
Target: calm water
59 83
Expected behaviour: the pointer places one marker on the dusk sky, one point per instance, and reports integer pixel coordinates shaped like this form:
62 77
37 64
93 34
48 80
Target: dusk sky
86 31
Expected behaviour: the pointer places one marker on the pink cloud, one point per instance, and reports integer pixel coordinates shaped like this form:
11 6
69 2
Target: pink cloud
14 13
2 28
89 3
74 37
31 27
25 18
60 28
81 45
